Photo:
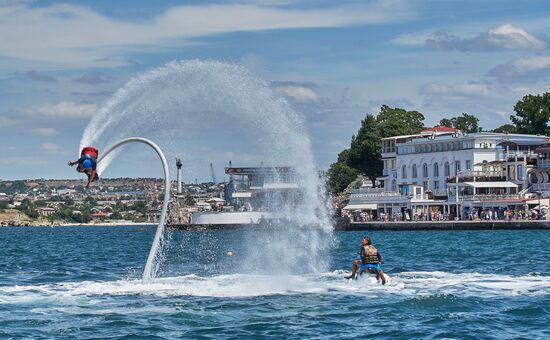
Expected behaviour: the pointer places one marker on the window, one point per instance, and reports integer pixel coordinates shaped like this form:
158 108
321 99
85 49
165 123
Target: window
436 185
393 185
520 172
393 163
425 185
404 172
436 170
425 170
414 171
468 164
457 167
447 169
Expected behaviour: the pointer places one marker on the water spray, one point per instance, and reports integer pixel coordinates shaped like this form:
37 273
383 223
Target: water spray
148 273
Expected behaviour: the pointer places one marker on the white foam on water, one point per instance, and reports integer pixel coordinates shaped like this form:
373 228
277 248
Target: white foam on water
248 285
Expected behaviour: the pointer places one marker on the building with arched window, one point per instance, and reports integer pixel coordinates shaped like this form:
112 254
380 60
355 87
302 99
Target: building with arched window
479 170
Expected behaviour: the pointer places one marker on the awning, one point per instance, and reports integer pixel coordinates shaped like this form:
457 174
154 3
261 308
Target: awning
491 184
365 206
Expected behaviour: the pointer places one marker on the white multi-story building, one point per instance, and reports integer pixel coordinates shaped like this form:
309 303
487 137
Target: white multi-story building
442 169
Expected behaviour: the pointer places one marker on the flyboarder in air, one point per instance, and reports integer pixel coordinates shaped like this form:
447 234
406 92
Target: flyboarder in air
87 163
370 261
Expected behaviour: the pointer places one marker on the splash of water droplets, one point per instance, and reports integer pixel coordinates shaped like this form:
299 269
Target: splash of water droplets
186 105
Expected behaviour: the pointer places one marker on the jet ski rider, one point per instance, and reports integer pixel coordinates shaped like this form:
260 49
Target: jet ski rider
370 261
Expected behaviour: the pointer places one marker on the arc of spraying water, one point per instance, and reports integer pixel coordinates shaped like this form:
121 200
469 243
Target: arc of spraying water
148 271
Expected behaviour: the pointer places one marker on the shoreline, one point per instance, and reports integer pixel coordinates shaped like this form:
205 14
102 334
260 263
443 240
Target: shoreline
102 224
338 225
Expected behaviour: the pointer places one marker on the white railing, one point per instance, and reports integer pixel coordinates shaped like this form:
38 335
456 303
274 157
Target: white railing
483 197
480 173
490 197
513 154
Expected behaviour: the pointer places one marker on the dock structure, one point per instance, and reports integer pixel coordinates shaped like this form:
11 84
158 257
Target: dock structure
346 225
340 226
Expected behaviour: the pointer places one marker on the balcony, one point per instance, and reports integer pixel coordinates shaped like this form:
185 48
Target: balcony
479 175
374 195
543 163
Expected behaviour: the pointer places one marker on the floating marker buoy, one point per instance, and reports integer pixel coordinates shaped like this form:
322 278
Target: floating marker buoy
229 253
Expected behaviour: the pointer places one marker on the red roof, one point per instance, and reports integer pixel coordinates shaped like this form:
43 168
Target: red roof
440 128
100 214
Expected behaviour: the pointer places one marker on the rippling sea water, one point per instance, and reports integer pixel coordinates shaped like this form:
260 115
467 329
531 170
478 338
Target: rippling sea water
84 282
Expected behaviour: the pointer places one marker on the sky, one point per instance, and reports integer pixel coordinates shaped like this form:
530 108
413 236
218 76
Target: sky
334 61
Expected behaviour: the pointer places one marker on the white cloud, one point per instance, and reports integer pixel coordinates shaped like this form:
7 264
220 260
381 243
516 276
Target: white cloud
535 67
508 36
413 39
298 93
504 36
23 161
69 35
65 109
456 91
7 121
44 132
50 147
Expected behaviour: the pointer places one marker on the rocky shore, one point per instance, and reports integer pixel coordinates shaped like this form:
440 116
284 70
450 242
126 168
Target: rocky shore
15 218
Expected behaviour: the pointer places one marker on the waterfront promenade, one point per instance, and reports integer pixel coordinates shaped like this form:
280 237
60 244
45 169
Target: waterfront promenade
445 225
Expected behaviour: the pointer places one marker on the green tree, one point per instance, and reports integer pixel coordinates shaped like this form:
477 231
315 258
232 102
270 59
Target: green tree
340 175
465 123
363 156
396 122
533 114
506 128
364 153
446 122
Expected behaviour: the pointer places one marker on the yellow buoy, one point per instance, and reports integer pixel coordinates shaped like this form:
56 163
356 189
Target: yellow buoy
229 253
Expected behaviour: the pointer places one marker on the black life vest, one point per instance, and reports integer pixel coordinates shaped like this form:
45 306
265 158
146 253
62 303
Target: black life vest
370 255
90 151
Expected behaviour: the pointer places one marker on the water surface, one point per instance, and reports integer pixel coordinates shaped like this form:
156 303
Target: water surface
83 282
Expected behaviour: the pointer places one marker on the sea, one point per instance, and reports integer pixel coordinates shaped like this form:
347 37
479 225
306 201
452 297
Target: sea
85 283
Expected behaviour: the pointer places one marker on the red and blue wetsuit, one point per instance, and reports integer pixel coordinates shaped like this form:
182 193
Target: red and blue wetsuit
89 153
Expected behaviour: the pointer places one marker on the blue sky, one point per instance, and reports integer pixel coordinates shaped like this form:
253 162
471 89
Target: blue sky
333 60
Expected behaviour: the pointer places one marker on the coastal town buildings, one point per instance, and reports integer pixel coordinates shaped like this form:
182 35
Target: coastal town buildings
442 171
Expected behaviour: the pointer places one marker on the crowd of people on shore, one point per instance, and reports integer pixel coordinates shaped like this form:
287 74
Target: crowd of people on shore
506 214
488 214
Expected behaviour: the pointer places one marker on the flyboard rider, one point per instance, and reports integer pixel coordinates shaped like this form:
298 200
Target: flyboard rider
370 261
87 163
